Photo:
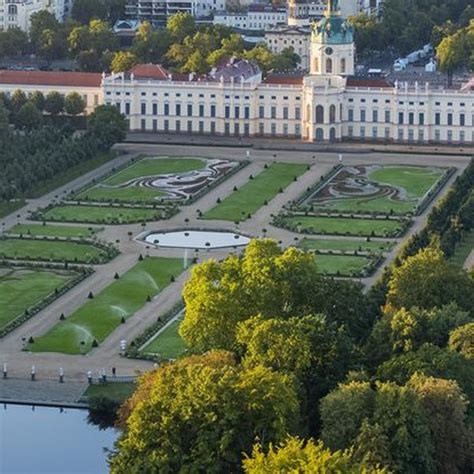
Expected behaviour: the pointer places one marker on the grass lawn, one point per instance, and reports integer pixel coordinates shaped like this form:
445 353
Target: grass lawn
52 250
100 214
143 168
7 207
116 391
417 181
72 173
98 317
341 225
154 167
49 230
463 249
345 245
344 264
168 344
252 196
23 288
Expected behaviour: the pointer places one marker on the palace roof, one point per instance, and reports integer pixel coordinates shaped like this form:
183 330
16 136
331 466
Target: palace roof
51 78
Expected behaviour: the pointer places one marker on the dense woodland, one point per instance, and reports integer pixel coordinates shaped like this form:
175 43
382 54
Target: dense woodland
289 371
32 155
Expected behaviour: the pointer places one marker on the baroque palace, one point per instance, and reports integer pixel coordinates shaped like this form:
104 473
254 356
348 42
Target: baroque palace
328 104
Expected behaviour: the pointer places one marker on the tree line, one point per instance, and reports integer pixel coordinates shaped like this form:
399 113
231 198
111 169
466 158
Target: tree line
30 156
405 26
289 371
182 45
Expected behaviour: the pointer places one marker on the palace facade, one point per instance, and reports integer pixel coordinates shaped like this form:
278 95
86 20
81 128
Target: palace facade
327 105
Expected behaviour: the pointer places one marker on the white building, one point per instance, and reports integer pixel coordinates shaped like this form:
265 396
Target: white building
328 104
160 10
88 84
17 13
280 38
257 17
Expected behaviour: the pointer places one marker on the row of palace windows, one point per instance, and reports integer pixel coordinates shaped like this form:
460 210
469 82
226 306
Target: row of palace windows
189 127
410 136
409 118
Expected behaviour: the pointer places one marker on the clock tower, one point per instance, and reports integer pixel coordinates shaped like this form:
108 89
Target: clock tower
332 44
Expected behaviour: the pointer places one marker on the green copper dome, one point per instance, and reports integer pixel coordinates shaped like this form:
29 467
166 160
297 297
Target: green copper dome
332 28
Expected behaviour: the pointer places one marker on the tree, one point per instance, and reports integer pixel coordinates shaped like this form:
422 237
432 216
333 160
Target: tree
4 123
79 40
305 457
51 45
181 25
13 42
89 61
427 280
74 104
266 281
40 22
261 56
353 413
431 361
461 340
123 61
18 100
29 117
200 414
451 54
54 103
410 329
151 45
287 60
446 407
38 100
196 63
107 125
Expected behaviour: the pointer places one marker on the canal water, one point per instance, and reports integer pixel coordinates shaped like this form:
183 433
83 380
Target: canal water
51 440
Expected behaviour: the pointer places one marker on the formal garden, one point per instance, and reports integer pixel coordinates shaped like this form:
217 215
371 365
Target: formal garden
151 180
49 230
24 291
257 192
89 325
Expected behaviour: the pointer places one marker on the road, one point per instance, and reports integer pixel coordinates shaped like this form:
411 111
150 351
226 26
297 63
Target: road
107 354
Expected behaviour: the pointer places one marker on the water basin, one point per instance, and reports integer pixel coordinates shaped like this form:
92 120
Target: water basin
196 239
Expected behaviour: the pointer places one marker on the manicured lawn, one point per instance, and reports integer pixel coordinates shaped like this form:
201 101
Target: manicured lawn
100 214
463 249
416 181
340 225
153 167
385 189
345 245
98 317
49 230
72 173
52 250
7 207
137 184
344 264
252 196
168 344
116 391
21 289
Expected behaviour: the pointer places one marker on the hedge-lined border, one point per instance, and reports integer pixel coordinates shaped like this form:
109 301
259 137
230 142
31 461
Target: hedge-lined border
405 225
110 251
82 274
132 350
167 213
